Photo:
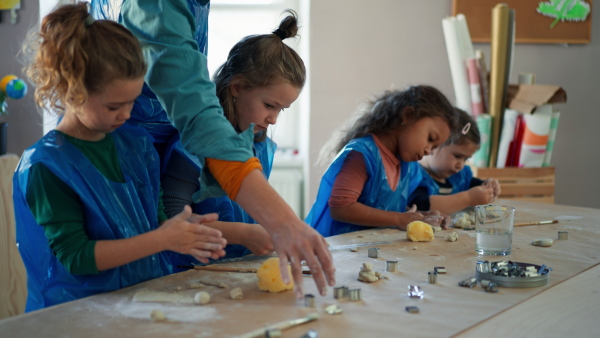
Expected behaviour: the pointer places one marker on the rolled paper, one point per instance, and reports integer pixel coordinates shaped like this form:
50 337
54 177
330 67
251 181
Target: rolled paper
535 137
483 80
499 73
507 136
475 85
526 78
551 138
481 157
458 68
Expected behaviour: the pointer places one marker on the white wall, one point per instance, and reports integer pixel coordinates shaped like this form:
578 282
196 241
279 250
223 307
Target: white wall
358 48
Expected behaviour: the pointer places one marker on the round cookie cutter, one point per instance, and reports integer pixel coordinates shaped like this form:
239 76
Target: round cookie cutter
515 282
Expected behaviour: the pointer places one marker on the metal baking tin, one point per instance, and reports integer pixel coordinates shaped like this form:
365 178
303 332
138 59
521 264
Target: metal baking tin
515 282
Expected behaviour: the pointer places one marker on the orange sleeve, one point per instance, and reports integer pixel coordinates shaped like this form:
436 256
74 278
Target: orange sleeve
349 182
230 174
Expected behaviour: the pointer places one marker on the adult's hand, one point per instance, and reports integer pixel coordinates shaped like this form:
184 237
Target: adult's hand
293 239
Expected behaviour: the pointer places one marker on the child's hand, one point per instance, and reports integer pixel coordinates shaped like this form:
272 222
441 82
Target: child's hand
434 217
480 195
184 234
494 184
258 240
409 216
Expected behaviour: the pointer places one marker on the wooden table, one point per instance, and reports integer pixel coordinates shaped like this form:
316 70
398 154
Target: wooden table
567 305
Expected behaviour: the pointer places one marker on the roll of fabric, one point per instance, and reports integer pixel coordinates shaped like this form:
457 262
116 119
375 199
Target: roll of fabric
482 156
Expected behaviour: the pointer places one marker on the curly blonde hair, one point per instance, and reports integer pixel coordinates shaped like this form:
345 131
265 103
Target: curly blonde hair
72 56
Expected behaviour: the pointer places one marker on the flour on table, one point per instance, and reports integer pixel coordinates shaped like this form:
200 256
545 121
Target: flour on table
148 296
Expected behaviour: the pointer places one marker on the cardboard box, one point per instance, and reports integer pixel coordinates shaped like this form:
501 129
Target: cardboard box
522 184
526 98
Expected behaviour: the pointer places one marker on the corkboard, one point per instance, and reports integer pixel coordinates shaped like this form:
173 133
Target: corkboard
531 27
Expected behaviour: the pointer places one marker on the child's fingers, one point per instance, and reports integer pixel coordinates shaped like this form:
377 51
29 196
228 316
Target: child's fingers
195 218
413 208
184 215
203 230
207 245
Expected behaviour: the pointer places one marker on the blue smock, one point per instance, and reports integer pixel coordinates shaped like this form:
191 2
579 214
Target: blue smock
111 210
228 210
376 192
461 181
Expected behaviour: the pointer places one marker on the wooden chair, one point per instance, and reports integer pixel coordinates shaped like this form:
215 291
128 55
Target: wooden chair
523 184
13 278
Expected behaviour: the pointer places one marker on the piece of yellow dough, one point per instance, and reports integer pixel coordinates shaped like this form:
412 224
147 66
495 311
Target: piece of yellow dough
418 231
269 276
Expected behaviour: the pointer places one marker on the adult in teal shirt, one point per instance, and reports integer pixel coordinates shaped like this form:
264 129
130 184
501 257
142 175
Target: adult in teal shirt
178 76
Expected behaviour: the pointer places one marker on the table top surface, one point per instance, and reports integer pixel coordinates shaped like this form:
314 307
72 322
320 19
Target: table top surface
446 309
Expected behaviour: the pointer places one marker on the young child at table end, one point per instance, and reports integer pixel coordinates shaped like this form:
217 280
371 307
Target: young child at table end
376 169
448 184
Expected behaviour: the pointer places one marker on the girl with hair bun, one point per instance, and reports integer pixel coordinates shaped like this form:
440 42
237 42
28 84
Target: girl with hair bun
261 77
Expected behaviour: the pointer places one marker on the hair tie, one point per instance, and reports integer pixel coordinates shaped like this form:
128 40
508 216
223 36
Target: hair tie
466 128
281 34
89 20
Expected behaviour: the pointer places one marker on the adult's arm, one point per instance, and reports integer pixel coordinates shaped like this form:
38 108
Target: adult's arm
178 75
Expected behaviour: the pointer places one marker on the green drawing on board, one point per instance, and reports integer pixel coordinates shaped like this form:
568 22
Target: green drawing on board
571 10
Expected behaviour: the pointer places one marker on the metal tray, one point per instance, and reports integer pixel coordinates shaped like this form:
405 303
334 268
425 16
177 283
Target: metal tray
515 282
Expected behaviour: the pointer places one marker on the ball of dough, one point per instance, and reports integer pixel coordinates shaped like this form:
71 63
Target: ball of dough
453 237
236 293
418 231
201 297
462 220
543 242
269 276
157 316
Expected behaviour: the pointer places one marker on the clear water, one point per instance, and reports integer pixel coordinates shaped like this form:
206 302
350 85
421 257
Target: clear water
493 241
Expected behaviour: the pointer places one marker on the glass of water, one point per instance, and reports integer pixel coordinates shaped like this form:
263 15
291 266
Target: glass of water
494 229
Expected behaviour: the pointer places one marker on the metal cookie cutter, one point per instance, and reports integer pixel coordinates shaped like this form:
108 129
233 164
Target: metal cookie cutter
491 287
374 252
483 266
440 269
311 334
414 291
563 235
355 295
392 266
432 277
468 283
340 292
412 309
309 300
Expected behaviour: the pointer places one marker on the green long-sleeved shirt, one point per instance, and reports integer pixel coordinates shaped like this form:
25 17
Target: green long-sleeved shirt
178 75
58 208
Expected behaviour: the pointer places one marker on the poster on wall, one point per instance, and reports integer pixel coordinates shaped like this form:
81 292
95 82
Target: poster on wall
536 21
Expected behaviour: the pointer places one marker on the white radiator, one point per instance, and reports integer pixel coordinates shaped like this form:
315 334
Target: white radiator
289 183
